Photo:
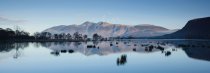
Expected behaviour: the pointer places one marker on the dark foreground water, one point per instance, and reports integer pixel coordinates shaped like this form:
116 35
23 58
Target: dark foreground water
127 56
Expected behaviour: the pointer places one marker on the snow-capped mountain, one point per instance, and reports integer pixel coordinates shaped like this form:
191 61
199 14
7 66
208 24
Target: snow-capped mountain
106 29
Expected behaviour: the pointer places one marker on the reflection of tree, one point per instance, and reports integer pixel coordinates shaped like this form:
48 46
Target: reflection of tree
167 53
55 53
96 42
57 47
36 45
46 44
8 46
18 47
49 44
17 54
122 60
21 45
76 44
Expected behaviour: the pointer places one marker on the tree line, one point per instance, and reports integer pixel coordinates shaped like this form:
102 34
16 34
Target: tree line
9 34
67 36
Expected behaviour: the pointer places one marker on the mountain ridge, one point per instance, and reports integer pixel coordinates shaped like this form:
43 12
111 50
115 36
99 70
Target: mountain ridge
194 29
107 29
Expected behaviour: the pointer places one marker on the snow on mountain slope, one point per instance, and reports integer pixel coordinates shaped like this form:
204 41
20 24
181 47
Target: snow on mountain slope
106 29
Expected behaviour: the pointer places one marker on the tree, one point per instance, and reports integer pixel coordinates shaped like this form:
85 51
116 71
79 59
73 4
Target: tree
44 35
8 29
23 33
48 35
96 37
60 36
80 37
17 32
8 34
37 35
55 36
76 35
85 37
68 36
63 36
3 34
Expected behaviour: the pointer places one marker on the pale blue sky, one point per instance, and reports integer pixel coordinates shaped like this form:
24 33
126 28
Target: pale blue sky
37 15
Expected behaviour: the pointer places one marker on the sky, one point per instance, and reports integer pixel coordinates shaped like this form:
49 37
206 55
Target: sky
37 15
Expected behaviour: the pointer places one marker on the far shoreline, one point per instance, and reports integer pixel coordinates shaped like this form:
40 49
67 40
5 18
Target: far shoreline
64 40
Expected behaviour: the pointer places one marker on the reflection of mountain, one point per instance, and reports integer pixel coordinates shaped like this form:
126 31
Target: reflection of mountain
111 30
194 29
102 48
198 49
105 48
198 53
193 48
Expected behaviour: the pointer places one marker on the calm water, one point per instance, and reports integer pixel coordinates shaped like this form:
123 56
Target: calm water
122 56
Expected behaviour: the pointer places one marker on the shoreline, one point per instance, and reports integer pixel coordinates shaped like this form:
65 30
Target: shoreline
65 40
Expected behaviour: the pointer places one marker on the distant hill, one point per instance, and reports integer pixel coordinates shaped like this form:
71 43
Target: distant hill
106 29
194 29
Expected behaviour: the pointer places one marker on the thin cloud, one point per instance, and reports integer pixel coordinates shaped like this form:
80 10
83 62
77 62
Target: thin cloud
4 21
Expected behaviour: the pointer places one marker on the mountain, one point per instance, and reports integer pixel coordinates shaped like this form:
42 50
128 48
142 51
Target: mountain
147 30
106 29
194 29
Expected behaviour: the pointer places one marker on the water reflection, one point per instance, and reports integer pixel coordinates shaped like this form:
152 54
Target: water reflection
197 49
122 60
8 46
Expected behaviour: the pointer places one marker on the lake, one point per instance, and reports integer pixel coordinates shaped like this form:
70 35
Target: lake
119 56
